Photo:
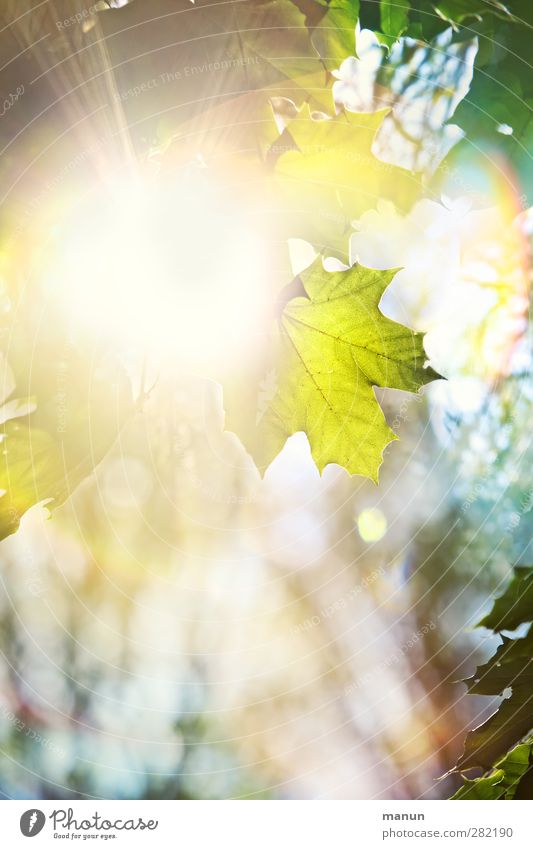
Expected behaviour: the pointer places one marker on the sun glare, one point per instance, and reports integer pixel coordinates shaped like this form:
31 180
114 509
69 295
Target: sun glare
178 270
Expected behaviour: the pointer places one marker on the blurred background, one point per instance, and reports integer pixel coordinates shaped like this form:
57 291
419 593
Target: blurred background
182 627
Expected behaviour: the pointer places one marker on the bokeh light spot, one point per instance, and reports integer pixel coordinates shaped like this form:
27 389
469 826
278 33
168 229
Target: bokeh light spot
372 525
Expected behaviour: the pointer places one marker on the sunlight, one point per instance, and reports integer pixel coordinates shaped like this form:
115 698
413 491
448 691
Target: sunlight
175 269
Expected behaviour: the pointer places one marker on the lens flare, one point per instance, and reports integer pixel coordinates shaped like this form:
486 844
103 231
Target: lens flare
371 524
175 269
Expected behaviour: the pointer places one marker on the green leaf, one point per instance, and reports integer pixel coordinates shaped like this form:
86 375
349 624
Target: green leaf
333 347
505 781
329 26
328 175
334 35
298 38
394 15
425 19
511 668
515 606
501 93
278 31
489 787
515 766
524 790
509 673
82 399
27 472
457 11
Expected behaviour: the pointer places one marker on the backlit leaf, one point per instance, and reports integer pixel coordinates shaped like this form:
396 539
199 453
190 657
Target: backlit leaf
332 347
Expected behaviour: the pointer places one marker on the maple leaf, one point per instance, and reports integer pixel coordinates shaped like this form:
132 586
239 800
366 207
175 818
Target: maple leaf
80 400
327 174
508 672
508 780
332 347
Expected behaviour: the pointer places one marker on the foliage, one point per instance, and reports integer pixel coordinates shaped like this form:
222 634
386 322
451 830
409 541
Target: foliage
507 780
394 20
426 18
509 674
330 346
79 397
501 94
515 606
327 167
333 347
327 175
